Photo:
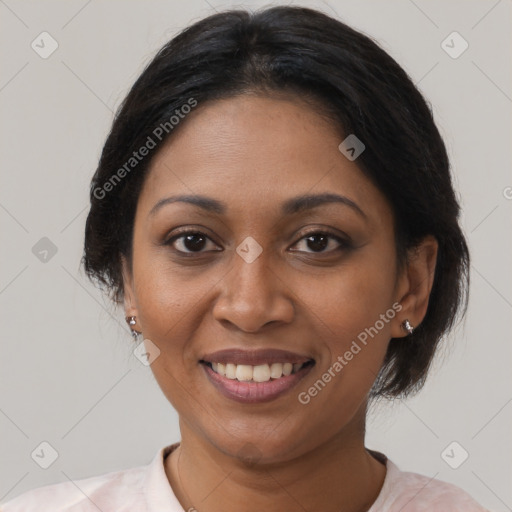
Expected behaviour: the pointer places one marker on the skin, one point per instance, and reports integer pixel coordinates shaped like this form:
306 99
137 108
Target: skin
253 152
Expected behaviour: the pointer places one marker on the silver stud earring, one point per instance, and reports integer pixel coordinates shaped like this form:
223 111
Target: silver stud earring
131 321
407 326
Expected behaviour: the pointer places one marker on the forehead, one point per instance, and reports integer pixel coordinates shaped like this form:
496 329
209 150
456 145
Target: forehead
254 152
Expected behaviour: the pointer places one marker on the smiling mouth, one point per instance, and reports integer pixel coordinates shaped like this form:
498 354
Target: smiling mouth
259 373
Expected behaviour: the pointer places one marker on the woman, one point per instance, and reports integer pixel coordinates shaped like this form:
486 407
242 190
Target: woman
274 209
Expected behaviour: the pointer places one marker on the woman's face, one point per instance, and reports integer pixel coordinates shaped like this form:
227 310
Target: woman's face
264 271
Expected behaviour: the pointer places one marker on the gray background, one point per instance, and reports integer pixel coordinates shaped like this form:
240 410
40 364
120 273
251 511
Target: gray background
67 374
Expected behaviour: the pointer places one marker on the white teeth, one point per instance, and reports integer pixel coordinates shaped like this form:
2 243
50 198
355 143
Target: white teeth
259 373
221 369
243 372
231 371
276 370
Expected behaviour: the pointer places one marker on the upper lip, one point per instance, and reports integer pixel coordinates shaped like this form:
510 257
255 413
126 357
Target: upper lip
254 357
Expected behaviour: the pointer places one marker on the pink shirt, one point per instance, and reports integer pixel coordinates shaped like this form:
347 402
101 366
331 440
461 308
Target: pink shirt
146 489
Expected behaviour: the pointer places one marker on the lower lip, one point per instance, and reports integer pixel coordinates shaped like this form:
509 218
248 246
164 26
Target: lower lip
254 392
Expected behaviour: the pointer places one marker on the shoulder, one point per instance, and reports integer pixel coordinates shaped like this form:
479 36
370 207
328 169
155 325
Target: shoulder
104 492
412 492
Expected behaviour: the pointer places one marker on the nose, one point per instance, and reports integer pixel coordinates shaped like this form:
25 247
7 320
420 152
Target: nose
252 296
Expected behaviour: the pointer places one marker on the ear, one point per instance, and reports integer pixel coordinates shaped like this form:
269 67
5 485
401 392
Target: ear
415 284
130 308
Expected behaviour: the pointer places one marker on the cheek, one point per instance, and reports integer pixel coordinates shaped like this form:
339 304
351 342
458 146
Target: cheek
353 297
170 313
352 311
168 304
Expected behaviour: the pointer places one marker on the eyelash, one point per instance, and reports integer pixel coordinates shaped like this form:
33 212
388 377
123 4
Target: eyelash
343 244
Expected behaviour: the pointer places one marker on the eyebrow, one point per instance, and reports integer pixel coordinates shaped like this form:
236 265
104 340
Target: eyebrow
206 203
310 201
289 207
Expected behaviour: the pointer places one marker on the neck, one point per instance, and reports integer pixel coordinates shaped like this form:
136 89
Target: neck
338 475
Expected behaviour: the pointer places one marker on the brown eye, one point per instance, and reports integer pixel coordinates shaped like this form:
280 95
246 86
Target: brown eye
190 242
319 241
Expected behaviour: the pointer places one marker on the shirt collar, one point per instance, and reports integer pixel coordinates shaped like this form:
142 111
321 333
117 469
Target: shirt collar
157 489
